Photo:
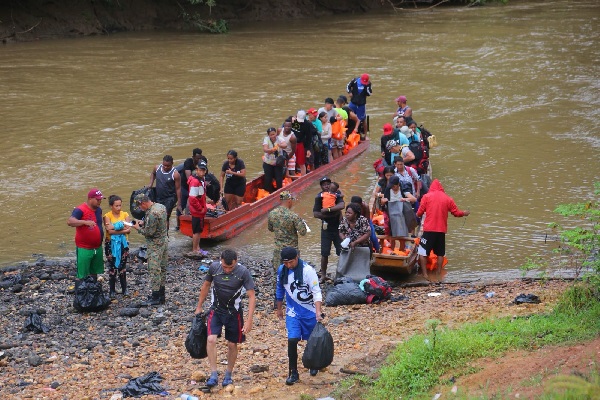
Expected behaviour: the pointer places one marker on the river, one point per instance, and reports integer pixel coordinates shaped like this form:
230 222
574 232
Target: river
511 92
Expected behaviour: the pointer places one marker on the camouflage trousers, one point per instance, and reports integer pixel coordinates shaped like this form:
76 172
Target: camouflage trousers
157 264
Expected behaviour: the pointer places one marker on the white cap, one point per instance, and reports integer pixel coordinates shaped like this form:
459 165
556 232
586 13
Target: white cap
301 115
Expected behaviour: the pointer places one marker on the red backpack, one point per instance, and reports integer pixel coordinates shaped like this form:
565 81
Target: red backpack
377 289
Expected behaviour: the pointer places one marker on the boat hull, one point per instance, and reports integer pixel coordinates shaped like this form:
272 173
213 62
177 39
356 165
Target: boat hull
233 222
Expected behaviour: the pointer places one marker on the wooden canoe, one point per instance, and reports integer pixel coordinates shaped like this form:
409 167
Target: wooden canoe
396 264
232 223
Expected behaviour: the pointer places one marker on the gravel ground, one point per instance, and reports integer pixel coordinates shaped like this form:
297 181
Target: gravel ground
90 356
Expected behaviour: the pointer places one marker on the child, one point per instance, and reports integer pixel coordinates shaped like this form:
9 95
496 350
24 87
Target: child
329 198
116 247
197 205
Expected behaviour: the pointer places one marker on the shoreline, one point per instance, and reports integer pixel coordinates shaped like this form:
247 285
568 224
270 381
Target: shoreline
85 355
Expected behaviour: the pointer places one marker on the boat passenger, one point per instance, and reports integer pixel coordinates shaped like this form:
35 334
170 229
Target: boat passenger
352 120
198 209
303 130
393 199
233 180
189 166
273 146
403 109
359 89
396 150
289 138
338 133
328 108
168 185
364 211
383 183
325 137
400 130
314 160
409 178
330 197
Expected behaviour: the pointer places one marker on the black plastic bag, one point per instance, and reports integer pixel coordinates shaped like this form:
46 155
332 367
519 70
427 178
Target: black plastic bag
346 293
34 323
318 353
147 384
195 343
90 296
527 298
135 211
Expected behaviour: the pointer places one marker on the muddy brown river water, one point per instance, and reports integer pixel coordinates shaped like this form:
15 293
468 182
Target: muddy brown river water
511 92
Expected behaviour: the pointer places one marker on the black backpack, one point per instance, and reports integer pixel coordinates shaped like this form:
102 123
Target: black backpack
377 289
213 190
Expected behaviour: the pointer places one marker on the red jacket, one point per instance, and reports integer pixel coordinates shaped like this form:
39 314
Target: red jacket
437 204
197 204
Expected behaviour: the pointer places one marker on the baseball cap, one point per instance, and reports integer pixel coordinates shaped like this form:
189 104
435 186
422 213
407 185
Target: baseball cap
301 115
202 165
401 98
286 195
95 194
312 111
364 78
387 129
141 198
390 144
288 253
325 179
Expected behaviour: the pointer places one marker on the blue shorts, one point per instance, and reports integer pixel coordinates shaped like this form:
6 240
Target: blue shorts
360 111
233 322
299 328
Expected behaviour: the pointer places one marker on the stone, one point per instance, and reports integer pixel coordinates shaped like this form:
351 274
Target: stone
34 360
129 312
55 384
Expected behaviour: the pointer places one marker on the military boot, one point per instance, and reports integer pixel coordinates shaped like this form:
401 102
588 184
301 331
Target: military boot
161 295
123 281
153 299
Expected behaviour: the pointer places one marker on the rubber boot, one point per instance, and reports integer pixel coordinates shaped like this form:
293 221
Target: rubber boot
161 294
153 300
123 281
111 286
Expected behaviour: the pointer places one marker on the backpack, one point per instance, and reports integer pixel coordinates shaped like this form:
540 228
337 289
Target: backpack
425 134
213 190
377 289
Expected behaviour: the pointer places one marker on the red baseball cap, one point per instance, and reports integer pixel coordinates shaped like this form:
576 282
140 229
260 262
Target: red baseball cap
364 78
387 129
401 99
311 111
95 194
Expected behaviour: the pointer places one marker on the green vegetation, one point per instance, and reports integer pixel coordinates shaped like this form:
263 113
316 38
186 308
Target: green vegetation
419 364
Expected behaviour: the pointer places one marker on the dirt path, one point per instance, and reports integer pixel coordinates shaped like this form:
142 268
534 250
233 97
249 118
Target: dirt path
363 334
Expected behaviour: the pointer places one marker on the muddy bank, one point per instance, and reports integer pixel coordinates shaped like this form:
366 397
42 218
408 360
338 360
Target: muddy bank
33 19
90 355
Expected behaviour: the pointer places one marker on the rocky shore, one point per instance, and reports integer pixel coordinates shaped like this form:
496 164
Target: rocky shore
90 356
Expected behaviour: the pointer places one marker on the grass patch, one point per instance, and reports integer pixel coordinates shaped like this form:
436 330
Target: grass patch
415 367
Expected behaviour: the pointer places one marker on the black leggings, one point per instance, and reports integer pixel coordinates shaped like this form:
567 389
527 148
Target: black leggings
272 171
293 353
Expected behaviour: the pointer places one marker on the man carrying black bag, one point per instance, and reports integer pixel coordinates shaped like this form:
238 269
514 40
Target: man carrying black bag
300 283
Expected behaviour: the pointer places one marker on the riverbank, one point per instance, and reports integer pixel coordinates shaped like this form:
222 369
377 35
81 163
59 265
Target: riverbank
90 355
31 20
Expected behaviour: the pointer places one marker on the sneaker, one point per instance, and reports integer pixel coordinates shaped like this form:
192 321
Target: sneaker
293 378
212 381
313 372
203 253
226 381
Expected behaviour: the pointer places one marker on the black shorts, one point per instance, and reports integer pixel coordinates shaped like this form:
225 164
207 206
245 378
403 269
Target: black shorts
435 241
197 224
233 323
169 203
236 189
328 237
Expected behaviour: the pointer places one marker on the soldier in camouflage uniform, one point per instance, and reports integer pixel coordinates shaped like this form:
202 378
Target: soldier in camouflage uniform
154 228
287 225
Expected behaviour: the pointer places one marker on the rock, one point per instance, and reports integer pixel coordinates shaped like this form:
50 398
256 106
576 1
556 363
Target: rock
340 320
55 384
44 276
58 276
255 389
129 312
259 368
34 360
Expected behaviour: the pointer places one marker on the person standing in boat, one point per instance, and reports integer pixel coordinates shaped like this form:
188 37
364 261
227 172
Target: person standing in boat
316 144
351 117
189 166
359 89
329 109
392 201
233 180
116 246
403 109
273 147
303 130
87 221
287 136
330 223
325 137
436 205
168 185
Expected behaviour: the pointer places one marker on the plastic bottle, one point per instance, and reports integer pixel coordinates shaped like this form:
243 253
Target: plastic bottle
186 396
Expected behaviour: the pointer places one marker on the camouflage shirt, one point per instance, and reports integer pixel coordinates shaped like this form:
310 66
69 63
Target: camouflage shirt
155 224
287 225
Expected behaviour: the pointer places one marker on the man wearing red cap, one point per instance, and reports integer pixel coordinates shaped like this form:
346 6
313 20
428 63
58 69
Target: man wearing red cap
403 110
359 89
89 235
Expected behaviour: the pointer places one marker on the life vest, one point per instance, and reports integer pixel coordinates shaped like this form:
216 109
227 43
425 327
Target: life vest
338 129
